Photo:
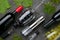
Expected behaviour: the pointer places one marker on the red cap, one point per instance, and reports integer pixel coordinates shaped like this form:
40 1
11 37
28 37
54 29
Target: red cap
19 9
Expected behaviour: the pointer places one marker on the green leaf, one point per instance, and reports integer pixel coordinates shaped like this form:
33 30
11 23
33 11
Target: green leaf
1 38
4 5
49 8
55 1
16 37
25 3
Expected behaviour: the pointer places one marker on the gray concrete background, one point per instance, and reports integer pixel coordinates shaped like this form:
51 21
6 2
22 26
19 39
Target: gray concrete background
40 28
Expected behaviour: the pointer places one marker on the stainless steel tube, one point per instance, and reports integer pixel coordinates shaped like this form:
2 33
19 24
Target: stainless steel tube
27 30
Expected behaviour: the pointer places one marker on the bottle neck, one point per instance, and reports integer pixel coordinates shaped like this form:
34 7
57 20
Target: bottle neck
56 16
14 12
50 22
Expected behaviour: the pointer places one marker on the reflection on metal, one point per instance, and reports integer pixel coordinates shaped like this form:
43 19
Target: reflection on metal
27 30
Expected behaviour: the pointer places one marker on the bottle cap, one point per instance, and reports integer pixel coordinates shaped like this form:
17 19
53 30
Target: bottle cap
19 9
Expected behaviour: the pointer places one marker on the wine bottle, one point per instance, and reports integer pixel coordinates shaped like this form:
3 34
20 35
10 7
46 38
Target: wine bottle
25 18
8 19
55 18
29 29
